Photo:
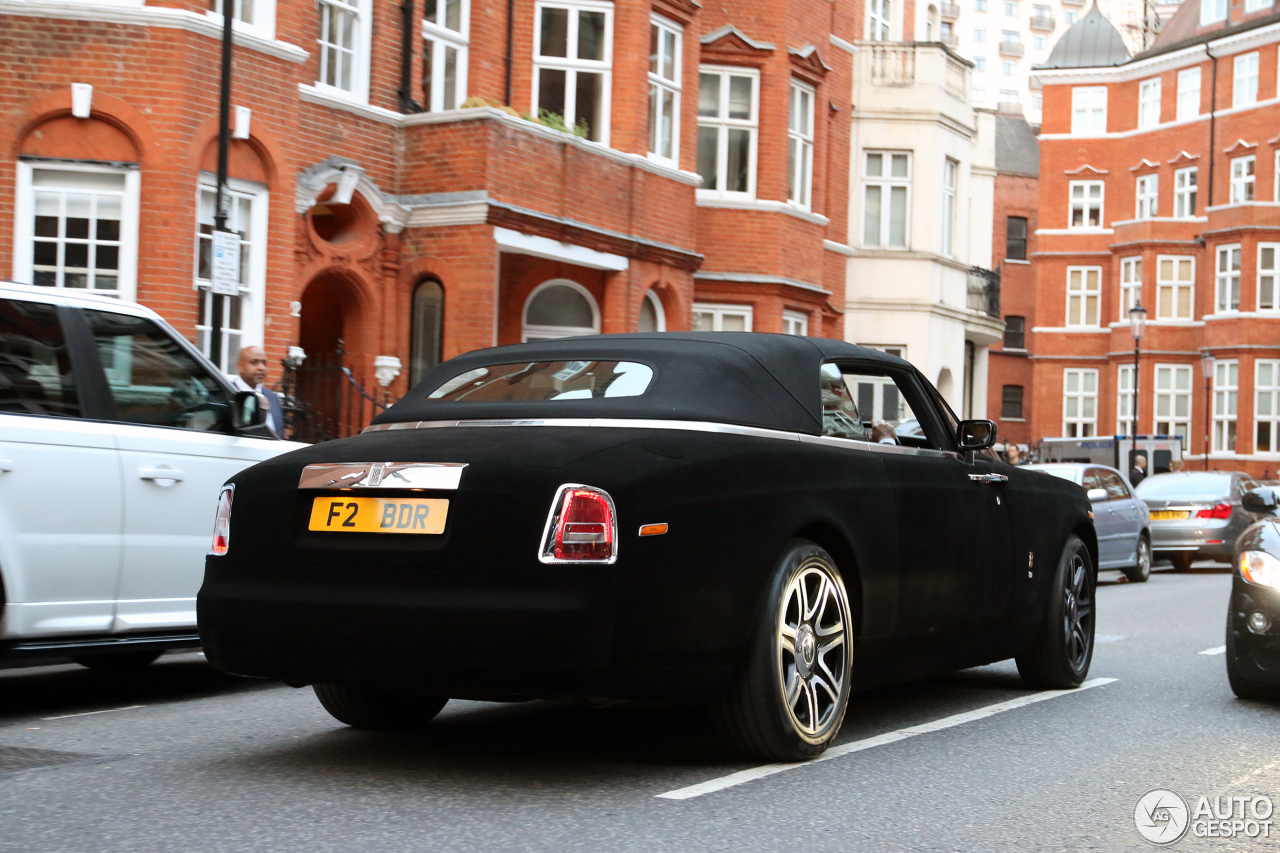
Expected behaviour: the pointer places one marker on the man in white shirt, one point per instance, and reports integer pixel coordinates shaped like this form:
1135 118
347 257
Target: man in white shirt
251 368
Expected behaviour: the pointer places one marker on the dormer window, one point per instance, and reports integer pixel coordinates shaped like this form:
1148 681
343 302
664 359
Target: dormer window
1212 11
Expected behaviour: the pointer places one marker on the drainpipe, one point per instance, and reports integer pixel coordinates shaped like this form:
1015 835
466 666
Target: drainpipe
407 103
511 36
1213 123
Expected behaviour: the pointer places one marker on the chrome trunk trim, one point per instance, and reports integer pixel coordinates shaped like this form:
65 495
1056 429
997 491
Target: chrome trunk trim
382 475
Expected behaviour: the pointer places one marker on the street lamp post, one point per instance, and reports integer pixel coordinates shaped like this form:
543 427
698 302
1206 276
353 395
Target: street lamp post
1137 325
1207 362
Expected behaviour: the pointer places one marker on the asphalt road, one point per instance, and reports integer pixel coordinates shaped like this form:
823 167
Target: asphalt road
180 758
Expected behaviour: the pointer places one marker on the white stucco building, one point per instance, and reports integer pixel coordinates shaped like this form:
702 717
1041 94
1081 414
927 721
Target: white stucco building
921 196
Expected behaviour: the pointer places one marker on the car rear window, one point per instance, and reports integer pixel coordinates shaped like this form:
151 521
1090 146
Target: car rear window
536 381
1203 486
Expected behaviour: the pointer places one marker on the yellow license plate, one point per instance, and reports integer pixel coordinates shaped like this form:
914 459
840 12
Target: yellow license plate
379 515
1170 515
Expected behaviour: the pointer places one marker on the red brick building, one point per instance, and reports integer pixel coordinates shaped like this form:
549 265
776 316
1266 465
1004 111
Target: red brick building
1160 181
391 189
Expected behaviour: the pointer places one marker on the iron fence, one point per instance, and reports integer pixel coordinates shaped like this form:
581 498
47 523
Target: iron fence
324 398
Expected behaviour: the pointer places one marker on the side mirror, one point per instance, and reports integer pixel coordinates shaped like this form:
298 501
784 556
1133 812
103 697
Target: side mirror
249 412
976 435
1259 500
1096 495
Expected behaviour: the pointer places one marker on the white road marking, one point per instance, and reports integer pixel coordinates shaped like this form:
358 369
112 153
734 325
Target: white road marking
743 776
91 713
1216 650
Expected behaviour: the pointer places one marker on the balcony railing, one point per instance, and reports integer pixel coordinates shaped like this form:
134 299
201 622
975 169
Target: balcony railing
1009 107
1073 2
1043 23
984 291
1012 48
949 11
951 40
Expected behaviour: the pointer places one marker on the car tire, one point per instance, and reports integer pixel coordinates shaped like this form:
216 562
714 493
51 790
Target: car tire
117 661
1060 655
363 706
1243 687
1182 560
791 691
1141 570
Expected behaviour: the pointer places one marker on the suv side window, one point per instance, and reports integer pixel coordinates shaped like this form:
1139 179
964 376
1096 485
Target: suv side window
1092 479
1116 489
35 367
154 381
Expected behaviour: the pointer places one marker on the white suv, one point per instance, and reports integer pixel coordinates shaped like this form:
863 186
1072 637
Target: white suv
116 435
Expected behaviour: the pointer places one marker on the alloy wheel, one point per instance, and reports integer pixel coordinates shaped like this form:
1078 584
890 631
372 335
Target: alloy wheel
813 650
1077 612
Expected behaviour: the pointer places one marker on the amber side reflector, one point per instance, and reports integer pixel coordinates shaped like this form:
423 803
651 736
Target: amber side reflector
653 530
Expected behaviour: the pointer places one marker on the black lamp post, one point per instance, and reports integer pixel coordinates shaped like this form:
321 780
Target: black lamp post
1207 361
1137 325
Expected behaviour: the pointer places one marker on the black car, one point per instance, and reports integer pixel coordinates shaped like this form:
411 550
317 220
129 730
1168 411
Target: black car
694 518
1253 617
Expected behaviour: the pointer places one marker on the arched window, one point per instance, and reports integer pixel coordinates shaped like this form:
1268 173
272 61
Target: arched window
559 309
652 317
426 331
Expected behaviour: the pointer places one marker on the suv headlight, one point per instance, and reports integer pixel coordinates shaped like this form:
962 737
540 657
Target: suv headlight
1261 568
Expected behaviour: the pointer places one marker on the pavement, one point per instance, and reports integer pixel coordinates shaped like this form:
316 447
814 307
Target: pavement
180 758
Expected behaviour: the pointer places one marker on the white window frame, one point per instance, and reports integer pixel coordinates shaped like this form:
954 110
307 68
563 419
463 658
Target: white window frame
1244 80
1146 196
1124 400
980 35
800 145
1169 288
1226 289
1088 110
719 311
1270 392
1130 284
1149 103
1088 299
980 64
724 124
887 183
950 185
1188 93
1212 11
1040 42
1080 425
1172 422
541 332
1244 177
1009 67
1268 278
361 44
24 222
795 323
1185 189
442 39
572 65
1275 172
253 290
659 313
263 21
1085 204
661 87
882 24
1226 390
1256 5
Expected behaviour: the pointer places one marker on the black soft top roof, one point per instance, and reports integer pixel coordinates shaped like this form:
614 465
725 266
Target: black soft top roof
745 378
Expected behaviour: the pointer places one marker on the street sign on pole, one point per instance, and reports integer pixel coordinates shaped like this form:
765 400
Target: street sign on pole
226 263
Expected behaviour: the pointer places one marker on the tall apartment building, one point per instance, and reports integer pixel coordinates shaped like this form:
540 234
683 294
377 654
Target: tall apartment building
1005 39
690 168
1160 186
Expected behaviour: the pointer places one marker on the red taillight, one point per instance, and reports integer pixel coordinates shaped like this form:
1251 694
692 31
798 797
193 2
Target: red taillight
222 523
1219 511
581 527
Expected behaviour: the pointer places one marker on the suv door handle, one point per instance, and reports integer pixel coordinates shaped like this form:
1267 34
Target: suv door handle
160 474
989 478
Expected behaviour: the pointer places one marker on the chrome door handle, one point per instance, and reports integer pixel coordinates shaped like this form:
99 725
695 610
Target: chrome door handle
989 478
160 474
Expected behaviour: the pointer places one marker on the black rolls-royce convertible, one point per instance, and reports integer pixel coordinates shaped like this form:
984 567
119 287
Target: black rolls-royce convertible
758 523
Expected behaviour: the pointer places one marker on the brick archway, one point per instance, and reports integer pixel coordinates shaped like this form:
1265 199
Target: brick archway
332 311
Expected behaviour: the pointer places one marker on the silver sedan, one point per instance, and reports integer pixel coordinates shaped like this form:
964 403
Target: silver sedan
1120 518
1197 515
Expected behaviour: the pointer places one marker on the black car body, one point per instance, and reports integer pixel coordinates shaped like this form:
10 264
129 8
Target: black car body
1253 617
733 449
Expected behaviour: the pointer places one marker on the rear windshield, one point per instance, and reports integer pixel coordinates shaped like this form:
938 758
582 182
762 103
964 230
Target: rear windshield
1189 486
536 381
